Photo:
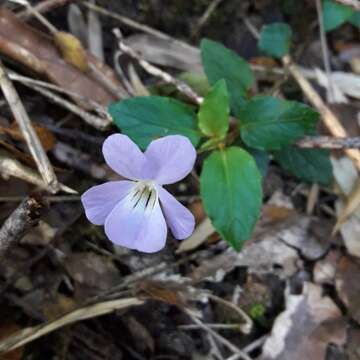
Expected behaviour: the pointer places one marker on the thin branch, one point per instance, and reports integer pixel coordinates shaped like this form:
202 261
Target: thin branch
328 142
135 25
42 7
205 17
11 167
24 217
52 29
95 121
155 71
44 166
330 120
355 4
218 337
27 80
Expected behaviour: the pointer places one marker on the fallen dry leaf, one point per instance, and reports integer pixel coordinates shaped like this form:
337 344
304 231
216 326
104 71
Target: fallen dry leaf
6 330
91 272
325 269
72 50
304 330
347 282
46 137
38 52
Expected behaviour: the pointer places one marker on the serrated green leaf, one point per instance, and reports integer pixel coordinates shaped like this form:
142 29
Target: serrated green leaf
275 39
219 63
335 14
214 112
231 192
145 118
310 165
268 123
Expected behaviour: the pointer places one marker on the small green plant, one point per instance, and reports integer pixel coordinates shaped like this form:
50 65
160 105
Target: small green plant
237 131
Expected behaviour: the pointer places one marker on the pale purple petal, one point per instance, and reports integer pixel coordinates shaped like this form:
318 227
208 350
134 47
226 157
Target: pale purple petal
172 158
179 219
125 158
145 231
100 200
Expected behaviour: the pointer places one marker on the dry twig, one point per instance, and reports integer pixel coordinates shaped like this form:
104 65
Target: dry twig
218 337
328 142
355 4
155 71
29 334
45 168
24 217
205 17
11 167
330 120
41 7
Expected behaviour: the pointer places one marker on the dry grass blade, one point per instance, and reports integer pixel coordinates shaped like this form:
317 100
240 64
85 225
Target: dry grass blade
32 333
45 168
11 167
201 233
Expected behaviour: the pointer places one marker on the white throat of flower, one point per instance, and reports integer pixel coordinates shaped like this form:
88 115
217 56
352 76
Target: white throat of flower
143 196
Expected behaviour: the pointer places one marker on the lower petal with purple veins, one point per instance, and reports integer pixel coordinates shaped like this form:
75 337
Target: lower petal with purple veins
137 221
179 219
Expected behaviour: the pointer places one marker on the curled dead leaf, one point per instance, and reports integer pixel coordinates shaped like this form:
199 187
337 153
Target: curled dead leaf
72 50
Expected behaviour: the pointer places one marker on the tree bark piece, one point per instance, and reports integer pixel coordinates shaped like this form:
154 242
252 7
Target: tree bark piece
24 217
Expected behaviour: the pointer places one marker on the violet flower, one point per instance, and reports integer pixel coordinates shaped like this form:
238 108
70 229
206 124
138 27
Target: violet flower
136 212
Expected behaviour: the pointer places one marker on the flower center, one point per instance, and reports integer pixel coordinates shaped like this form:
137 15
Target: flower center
144 196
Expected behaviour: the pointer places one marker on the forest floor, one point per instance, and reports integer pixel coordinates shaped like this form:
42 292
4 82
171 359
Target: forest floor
291 293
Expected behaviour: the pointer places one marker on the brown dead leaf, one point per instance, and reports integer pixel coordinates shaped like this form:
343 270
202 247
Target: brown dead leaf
304 330
91 272
274 213
263 61
347 282
57 307
38 52
46 137
5 331
19 155
168 292
72 50
325 269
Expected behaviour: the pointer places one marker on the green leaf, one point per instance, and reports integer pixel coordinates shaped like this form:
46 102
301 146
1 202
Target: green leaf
198 81
335 14
268 123
310 165
145 118
355 19
231 192
222 63
275 39
261 158
214 111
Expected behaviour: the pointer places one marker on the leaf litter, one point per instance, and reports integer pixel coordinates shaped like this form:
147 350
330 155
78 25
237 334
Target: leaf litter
296 282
